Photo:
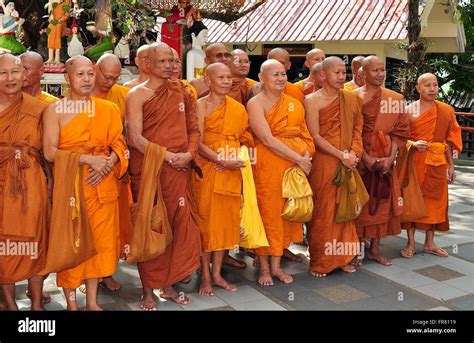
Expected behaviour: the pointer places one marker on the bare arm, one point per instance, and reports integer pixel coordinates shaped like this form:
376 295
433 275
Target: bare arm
134 116
51 132
204 150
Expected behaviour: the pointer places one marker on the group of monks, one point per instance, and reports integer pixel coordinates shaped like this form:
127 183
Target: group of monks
186 135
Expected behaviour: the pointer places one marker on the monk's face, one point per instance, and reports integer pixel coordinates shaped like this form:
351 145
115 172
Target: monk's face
219 80
335 74
81 78
12 75
274 77
219 54
140 60
161 62
374 73
360 77
315 57
33 71
177 70
428 88
107 75
318 78
240 65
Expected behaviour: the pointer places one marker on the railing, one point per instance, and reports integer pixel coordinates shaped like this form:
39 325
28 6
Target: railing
466 121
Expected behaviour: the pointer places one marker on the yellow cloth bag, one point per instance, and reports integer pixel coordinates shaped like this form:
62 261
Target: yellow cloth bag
296 188
351 194
252 232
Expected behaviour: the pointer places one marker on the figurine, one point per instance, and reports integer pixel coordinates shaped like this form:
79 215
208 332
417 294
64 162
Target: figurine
195 63
10 23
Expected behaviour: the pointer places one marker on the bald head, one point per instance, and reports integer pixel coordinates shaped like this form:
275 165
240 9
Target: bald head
32 58
427 86
427 77
374 71
331 62
217 52
80 76
142 51
140 58
76 62
317 67
314 56
334 73
240 64
160 61
273 76
370 61
108 70
177 69
109 59
218 78
357 62
317 75
12 74
281 55
33 64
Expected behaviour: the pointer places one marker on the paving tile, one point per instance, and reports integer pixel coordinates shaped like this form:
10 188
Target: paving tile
438 273
260 305
199 303
463 303
459 208
245 293
410 279
379 269
461 266
370 304
412 263
466 252
464 283
341 294
406 299
441 291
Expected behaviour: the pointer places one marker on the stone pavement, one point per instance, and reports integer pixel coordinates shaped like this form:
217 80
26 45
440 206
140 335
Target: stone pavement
424 282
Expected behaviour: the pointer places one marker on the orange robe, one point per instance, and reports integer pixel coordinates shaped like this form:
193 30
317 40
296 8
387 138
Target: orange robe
348 86
240 89
186 82
385 123
118 95
56 31
294 91
166 124
219 192
308 90
437 126
287 123
340 123
24 202
47 98
98 135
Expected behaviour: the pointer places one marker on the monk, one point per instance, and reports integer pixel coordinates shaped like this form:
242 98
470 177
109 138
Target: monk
356 82
307 85
140 58
33 64
282 141
178 72
385 132
216 52
223 123
95 133
282 56
334 118
163 111
240 68
24 201
436 136
316 77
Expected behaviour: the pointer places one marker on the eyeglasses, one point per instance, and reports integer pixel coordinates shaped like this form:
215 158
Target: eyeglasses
221 55
107 78
242 62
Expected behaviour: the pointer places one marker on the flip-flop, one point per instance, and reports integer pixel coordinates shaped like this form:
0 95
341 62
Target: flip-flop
437 252
407 252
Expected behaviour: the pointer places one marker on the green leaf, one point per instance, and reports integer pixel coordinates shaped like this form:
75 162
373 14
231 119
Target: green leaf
48 31
55 4
54 22
66 8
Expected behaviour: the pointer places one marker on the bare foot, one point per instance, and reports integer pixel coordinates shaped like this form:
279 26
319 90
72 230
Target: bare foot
148 302
348 268
230 261
292 257
408 251
221 282
170 293
111 284
379 258
316 274
205 288
285 278
94 307
435 250
265 279
45 298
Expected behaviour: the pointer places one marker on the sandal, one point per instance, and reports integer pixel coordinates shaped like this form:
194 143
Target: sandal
407 252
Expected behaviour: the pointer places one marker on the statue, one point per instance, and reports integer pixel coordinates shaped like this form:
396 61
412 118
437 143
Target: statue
122 50
10 23
75 47
103 27
195 63
58 15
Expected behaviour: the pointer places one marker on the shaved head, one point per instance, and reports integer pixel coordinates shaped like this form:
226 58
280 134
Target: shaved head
370 60
215 68
177 71
317 68
426 77
33 63
240 64
160 60
314 56
218 78
273 76
9 58
80 75
11 65
217 52
270 65
427 86
357 62
334 73
109 59
33 58
108 71
76 61
213 48
332 61
142 51
374 71
317 75
159 48
281 55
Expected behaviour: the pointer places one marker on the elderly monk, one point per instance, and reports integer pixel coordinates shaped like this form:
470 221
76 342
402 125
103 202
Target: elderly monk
94 132
177 73
240 68
143 71
24 202
223 123
436 136
282 56
216 52
282 141
334 118
385 132
163 111
356 82
316 77
33 64
307 85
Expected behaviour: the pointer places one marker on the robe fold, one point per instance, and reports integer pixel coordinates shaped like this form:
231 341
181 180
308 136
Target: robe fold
305 90
287 123
240 89
24 202
97 134
294 91
218 193
47 98
349 86
385 123
340 124
437 126
116 94
170 120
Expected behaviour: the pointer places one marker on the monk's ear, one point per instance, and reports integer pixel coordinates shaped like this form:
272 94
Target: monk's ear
288 66
260 77
207 80
66 77
306 64
206 60
417 88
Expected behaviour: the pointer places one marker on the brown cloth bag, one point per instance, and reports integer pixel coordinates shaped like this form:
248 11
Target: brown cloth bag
151 232
377 185
70 236
413 202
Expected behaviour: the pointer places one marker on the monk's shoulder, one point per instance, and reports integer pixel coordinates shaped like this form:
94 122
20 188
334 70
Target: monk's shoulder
106 108
444 107
392 94
32 106
236 106
122 90
352 96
